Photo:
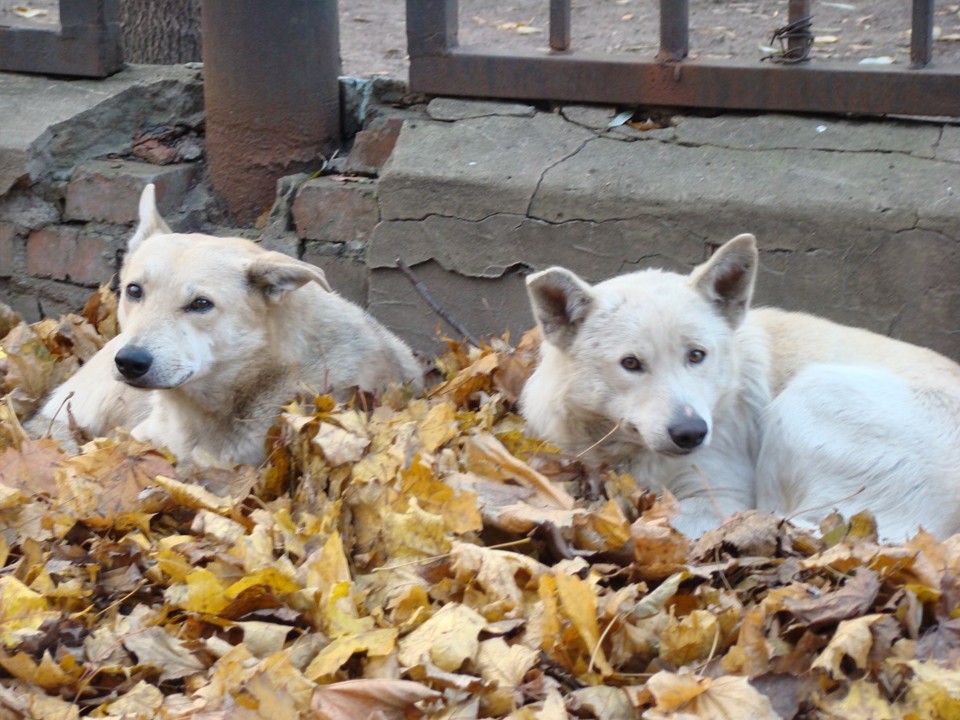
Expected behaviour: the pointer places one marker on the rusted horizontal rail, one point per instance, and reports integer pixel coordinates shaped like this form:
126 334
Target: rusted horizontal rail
727 84
89 42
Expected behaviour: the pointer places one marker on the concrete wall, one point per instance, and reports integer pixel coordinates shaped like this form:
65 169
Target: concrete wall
857 220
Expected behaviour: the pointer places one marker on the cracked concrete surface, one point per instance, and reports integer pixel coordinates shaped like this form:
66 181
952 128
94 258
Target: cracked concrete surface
857 220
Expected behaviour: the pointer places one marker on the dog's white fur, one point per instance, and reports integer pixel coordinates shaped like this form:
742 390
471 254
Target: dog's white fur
230 331
797 414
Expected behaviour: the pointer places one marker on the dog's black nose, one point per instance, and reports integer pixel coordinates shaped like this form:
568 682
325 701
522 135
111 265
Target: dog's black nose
133 362
688 433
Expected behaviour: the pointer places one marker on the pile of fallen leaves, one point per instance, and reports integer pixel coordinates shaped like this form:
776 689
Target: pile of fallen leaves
407 558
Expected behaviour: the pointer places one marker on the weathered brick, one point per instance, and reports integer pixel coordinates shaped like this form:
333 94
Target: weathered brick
109 190
9 240
372 147
63 252
334 210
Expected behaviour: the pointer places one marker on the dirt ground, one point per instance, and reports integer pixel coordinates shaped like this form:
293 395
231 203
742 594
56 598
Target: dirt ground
373 35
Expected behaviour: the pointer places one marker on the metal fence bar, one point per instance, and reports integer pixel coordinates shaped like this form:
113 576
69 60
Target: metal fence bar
559 25
674 30
88 44
921 33
798 43
431 26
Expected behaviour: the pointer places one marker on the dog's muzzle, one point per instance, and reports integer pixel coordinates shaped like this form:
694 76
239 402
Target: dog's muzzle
689 433
133 362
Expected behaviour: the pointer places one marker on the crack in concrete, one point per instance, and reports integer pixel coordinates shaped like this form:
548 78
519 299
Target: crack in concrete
782 148
578 150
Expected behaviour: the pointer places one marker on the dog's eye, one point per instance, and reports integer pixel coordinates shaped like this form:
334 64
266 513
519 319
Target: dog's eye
134 291
632 363
200 304
696 356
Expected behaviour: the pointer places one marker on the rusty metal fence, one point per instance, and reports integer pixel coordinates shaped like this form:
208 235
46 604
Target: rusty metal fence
440 66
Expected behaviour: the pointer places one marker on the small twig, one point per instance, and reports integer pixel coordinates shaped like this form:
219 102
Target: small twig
593 655
831 503
436 306
59 409
610 432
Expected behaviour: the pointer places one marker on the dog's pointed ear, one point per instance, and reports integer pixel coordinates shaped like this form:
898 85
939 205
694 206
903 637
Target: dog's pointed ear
727 278
277 274
560 302
150 222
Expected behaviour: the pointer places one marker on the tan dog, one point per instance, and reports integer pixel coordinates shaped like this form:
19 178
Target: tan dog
217 333
674 378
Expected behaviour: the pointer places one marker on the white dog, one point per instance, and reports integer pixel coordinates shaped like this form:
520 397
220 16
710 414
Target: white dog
674 378
217 333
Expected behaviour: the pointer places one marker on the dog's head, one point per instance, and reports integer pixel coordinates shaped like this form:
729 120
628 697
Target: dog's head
645 356
194 305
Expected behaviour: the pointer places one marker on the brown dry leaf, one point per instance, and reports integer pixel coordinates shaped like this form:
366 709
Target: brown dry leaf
415 533
37 705
22 611
502 575
601 701
852 599
852 640
694 637
579 604
458 508
660 550
193 496
369 698
31 467
340 446
29 369
934 691
503 668
107 480
863 701
143 700
438 427
486 456
447 639
154 646
375 643
686 696
47 674
101 312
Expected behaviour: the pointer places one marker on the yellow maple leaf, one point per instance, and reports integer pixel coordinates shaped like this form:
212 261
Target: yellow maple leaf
685 695
689 639
21 609
438 427
579 604
447 639
204 592
375 643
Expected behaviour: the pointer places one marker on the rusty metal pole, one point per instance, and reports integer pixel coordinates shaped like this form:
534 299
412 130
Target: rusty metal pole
674 30
272 95
921 33
559 25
